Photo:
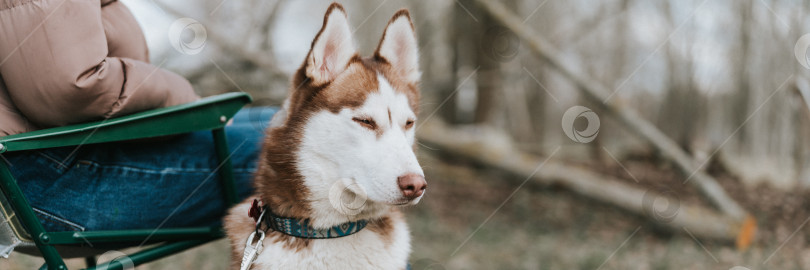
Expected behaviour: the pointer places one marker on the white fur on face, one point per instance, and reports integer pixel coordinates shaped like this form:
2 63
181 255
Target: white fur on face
336 148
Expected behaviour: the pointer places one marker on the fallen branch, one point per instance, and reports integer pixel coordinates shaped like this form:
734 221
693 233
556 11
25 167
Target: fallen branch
599 94
489 151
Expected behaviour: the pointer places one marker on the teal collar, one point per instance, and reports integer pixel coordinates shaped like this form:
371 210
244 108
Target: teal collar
302 228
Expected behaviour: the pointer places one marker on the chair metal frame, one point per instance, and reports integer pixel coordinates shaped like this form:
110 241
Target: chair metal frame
210 113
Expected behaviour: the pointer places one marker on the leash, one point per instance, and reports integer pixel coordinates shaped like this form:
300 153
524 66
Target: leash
290 226
252 251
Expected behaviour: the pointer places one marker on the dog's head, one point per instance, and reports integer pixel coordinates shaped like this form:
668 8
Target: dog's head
354 118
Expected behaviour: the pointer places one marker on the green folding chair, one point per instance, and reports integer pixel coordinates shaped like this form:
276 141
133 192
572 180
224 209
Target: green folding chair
22 230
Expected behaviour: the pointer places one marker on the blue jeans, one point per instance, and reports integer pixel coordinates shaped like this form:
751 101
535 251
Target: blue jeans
139 185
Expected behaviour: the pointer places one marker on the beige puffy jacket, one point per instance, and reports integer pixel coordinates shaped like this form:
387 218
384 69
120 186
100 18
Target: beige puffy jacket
71 61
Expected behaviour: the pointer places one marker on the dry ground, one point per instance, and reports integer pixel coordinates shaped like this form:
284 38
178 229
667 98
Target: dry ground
549 228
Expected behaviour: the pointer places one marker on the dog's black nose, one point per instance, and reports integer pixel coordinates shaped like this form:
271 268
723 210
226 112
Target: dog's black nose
412 185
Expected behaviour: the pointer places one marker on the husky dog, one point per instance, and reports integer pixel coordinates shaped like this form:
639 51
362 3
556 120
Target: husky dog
338 160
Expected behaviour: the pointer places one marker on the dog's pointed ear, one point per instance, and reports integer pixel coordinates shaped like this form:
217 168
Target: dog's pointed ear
332 48
399 48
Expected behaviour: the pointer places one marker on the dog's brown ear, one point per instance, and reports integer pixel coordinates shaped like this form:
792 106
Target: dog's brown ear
332 48
399 48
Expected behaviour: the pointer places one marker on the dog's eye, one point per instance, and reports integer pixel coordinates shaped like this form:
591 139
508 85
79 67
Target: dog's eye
408 124
366 122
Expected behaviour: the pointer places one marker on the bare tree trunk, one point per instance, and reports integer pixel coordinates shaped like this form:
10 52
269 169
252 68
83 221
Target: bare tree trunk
464 50
537 101
742 95
615 74
683 103
438 80
489 80
802 150
510 94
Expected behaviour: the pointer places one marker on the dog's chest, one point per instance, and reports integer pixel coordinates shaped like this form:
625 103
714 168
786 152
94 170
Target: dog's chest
366 249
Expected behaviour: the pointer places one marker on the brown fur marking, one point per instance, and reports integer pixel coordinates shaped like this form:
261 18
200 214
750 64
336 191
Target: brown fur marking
384 226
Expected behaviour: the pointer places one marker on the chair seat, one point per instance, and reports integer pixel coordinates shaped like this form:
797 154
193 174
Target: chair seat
19 222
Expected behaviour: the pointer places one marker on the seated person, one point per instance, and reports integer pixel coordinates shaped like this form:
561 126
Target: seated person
68 62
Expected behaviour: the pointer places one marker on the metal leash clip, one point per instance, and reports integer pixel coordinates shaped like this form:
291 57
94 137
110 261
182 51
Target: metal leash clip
252 251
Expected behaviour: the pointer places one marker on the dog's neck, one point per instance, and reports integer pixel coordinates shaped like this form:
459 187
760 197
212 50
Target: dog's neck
317 206
291 192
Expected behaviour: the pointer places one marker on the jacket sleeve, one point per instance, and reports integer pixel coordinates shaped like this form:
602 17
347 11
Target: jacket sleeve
58 70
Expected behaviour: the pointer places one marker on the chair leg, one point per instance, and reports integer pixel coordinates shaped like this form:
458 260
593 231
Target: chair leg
151 254
90 261
23 208
225 167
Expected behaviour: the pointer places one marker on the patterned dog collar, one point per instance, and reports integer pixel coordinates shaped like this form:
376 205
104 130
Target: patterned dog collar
302 229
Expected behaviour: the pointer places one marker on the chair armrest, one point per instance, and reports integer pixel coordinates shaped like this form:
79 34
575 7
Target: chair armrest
205 114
